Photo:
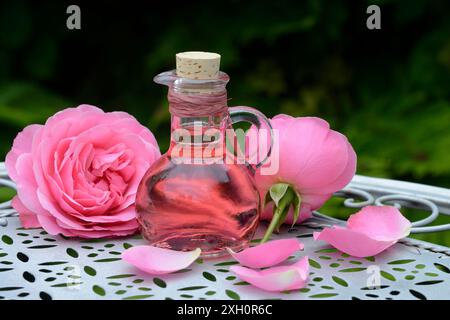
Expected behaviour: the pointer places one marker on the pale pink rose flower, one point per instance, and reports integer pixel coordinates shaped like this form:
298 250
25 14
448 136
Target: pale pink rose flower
77 174
314 162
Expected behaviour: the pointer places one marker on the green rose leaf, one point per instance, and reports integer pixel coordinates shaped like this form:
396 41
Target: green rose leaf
283 196
277 191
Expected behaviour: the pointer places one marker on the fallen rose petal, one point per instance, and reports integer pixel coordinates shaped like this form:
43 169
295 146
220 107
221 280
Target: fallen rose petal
384 223
267 254
156 260
282 278
369 231
351 242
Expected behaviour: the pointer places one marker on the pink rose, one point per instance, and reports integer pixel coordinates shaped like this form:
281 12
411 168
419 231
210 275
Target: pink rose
78 174
314 162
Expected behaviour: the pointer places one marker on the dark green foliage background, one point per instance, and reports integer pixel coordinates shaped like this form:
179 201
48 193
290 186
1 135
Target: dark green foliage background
387 90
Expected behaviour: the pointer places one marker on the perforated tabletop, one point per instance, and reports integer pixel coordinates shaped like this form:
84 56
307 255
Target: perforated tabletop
35 265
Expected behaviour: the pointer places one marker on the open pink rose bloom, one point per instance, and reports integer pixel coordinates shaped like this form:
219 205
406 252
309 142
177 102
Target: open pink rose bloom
313 163
78 174
368 232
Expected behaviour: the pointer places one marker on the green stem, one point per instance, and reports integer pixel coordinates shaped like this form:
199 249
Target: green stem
273 224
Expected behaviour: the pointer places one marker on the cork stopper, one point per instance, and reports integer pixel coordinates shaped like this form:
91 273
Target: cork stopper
198 65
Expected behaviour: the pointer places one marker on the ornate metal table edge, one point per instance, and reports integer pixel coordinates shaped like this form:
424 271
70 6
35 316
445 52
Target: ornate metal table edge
363 191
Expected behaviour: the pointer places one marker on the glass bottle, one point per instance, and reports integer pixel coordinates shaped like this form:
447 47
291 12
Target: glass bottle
198 195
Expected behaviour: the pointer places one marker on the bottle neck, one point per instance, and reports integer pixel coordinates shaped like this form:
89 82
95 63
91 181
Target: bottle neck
199 103
199 118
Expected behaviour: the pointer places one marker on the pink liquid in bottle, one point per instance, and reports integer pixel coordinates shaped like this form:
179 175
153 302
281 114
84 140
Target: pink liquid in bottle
189 206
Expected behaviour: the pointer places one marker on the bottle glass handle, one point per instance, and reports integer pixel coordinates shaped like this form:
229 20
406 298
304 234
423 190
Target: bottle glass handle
259 120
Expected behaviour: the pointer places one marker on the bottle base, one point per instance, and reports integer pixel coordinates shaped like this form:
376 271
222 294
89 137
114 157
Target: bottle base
212 245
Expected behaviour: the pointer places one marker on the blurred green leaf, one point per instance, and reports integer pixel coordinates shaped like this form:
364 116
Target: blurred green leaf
22 104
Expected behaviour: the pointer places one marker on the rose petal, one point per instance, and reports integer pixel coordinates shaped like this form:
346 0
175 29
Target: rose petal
370 231
384 223
22 144
96 234
280 278
267 254
352 242
156 260
27 217
26 185
50 224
